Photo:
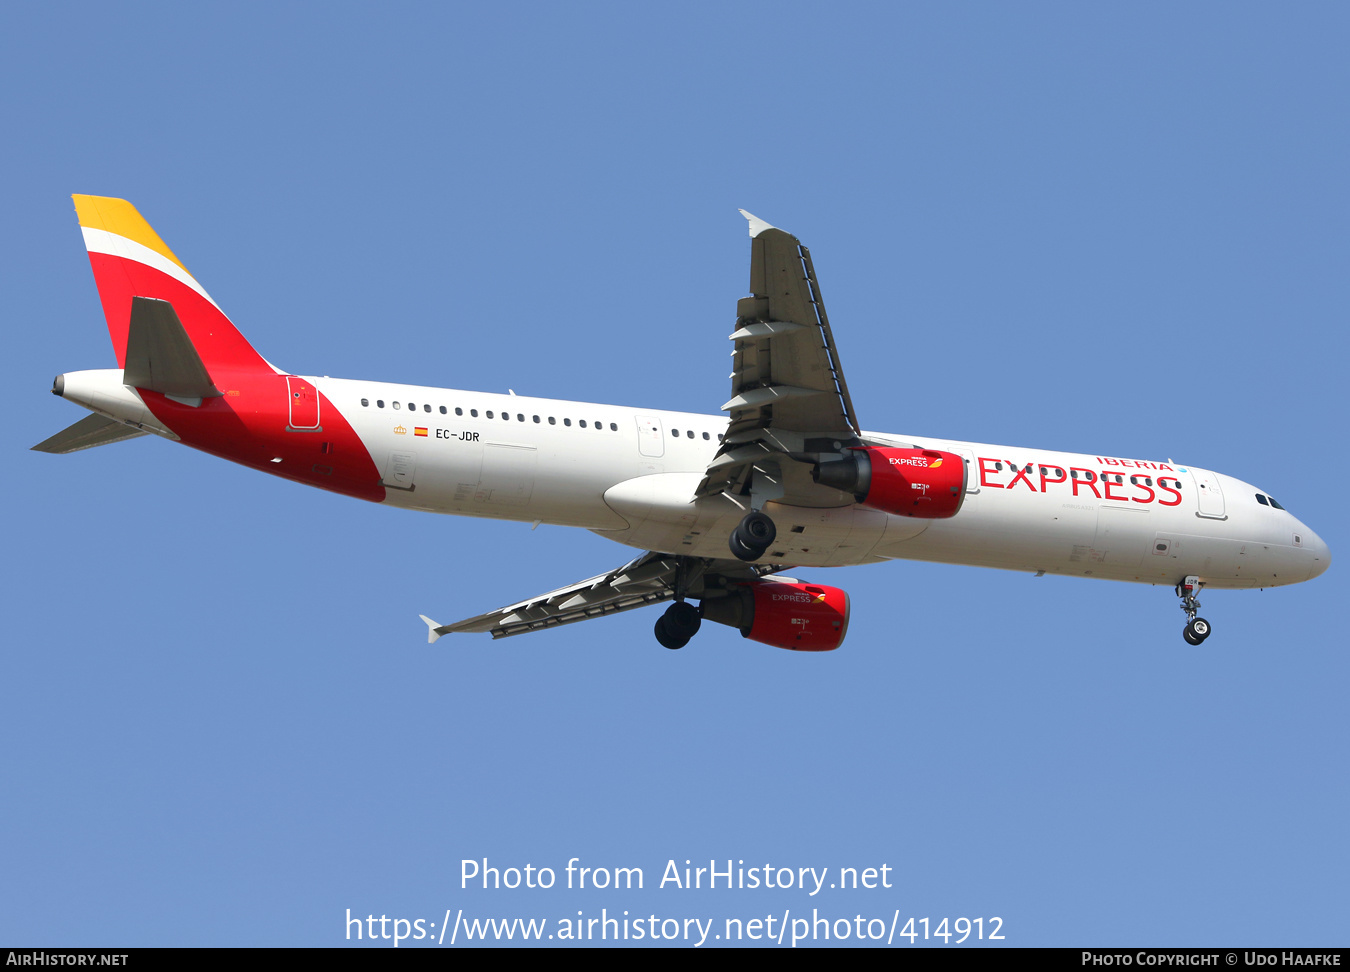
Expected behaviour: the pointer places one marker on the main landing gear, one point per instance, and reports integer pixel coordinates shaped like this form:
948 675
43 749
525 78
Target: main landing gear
678 624
752 536
681 621
1197 629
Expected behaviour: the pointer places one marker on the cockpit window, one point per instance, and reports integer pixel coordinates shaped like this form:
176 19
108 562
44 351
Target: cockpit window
1261 499
1274 504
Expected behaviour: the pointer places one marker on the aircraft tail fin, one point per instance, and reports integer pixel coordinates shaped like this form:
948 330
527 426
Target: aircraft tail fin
130 260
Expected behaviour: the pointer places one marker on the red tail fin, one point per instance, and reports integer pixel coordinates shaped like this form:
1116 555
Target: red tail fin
130 260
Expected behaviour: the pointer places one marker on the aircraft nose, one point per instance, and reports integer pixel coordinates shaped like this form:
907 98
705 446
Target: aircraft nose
1318 553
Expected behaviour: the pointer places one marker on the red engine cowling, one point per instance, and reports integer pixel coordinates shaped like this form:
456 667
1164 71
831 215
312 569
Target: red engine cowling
785 614
923 483
916 482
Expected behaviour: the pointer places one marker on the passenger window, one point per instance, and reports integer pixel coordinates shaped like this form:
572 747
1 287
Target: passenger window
552 420
412 407
690 433
397 405
488 413
506 416
675 433
567 422
443 412
521 418
473 412
582 423
705 436
458 410
365 403
379 403
615 428
536 420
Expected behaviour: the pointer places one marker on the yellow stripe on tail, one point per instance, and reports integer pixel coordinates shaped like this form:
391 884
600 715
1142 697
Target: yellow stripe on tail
121 218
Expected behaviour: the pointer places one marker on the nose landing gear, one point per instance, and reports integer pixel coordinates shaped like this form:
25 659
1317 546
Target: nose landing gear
1197 629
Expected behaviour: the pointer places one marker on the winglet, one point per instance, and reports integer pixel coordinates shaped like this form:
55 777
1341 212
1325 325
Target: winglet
757 225
432 633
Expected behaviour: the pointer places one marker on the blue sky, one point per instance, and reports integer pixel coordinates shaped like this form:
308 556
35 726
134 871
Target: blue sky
1117 230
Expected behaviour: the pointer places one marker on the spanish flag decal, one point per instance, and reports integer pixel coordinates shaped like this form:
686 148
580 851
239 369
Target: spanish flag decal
418 430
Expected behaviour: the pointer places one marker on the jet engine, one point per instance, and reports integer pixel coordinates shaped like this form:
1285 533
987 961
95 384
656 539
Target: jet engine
783 613
922 483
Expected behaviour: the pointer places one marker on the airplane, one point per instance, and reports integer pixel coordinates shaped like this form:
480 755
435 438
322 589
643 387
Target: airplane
720 506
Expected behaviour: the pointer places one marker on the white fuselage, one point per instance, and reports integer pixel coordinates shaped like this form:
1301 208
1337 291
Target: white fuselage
630 474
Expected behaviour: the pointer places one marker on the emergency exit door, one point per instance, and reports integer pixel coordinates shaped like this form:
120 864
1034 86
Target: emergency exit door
303 405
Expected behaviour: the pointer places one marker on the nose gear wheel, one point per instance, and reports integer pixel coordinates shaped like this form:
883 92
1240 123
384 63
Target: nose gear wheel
1197 629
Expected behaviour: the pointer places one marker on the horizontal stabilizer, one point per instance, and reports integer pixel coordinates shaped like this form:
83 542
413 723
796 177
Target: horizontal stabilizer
90 431
160 355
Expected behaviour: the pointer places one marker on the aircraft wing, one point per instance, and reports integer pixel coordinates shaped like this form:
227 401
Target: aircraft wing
787 386
649 579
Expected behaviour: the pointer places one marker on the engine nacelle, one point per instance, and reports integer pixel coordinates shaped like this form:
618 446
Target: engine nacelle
923 483
783 613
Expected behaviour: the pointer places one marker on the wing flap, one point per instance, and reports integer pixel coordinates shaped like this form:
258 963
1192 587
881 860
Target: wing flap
650 579
771 395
